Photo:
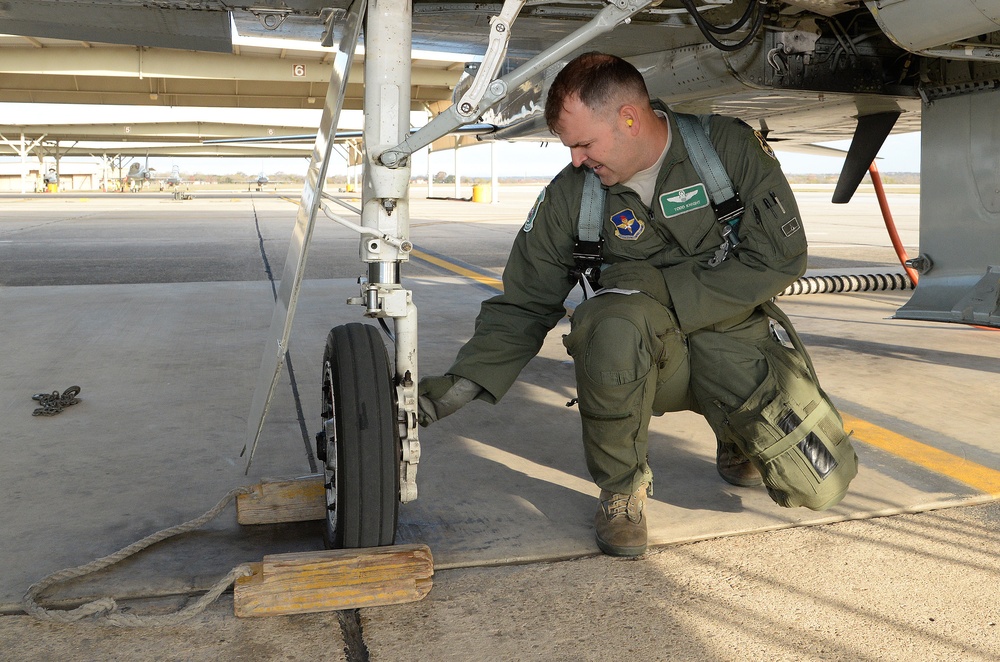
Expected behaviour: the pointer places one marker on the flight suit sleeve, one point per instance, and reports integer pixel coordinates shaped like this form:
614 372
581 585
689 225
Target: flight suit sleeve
511 327
771 253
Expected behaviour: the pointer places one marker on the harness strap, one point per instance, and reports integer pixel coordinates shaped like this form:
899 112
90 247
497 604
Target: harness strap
588 249
591 209
725 199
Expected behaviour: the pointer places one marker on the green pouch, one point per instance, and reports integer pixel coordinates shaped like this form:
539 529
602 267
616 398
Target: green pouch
792 432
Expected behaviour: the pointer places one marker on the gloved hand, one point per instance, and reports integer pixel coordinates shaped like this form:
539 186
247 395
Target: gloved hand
443 396
637 275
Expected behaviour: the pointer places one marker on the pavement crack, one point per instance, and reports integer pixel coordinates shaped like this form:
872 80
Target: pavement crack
354 642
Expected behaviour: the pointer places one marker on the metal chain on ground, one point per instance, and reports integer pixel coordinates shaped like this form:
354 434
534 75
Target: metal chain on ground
105 610
54 402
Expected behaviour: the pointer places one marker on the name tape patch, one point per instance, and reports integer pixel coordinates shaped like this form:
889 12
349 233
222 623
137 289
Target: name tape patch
683 200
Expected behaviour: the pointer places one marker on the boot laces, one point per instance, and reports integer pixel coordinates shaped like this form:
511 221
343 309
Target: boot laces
627 505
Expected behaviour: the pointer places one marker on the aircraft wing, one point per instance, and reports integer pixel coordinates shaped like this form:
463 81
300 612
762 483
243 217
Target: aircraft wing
815 67
201 25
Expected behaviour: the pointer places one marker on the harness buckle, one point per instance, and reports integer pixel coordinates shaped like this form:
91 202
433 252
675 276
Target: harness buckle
588 256
729 211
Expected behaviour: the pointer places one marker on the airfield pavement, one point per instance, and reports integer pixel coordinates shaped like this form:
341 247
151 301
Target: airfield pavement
159 310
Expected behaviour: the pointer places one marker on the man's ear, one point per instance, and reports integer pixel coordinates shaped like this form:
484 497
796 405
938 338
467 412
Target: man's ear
628 115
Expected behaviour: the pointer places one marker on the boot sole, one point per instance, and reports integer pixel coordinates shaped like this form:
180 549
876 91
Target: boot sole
745 482
620 550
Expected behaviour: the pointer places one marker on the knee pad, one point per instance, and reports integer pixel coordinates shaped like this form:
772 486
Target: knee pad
614 352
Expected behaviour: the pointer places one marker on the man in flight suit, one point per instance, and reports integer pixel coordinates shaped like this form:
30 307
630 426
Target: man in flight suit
681 329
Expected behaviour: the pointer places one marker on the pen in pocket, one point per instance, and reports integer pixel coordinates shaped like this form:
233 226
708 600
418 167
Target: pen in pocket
778 202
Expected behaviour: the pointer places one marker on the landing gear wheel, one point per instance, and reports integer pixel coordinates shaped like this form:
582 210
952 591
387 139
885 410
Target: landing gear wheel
359 443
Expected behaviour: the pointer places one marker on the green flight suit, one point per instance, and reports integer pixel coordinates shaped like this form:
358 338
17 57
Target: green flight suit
633 355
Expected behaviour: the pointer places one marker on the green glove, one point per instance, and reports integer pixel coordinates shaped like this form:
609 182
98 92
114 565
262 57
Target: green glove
443 396
637 275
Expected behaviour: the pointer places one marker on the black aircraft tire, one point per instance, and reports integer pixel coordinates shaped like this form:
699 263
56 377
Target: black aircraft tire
362 448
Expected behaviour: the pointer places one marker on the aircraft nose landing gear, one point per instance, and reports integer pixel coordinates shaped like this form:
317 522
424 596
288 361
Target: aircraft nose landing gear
359 443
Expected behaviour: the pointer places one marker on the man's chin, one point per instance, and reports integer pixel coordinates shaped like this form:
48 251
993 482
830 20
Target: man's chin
607 177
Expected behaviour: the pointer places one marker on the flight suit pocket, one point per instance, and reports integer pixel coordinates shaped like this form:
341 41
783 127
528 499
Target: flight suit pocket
673 374
772 233
793 434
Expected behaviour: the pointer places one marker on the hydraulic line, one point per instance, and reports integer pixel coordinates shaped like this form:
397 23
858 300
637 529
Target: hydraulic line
729 29
868 282
707 29
890 225
864 282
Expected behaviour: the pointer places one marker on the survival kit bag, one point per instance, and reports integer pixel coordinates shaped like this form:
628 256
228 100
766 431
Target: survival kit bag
789 428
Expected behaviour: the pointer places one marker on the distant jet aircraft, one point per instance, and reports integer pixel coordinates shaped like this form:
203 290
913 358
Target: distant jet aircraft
173 180
262 180
138 176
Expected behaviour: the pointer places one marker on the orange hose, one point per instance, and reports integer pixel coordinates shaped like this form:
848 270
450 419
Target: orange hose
890 225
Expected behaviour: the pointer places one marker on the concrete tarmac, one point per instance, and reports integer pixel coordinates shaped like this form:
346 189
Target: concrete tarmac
159 310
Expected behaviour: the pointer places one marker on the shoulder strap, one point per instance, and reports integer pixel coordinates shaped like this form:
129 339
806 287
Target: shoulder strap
591 208
589 245
725 199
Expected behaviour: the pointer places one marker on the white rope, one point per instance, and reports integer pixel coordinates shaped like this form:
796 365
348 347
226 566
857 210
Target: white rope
105 610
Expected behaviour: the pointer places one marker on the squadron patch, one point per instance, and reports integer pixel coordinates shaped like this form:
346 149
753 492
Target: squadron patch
683 200
764 146
530 221
627 226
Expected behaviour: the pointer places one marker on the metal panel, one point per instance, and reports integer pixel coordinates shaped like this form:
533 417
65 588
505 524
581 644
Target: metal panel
119 23
919 24
959 211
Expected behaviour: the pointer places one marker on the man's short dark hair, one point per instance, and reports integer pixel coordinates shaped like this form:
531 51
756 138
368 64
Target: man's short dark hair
597 79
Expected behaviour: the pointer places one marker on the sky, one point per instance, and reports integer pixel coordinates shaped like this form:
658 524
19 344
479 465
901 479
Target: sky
901 153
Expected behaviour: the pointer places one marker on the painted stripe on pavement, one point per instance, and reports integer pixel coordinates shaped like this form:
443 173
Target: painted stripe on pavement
972 474
489 281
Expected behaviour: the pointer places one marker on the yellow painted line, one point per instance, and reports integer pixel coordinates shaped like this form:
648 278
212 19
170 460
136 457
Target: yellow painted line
972 474
495 283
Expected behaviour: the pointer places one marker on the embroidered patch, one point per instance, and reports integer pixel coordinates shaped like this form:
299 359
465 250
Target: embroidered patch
530 222
627 226
764 146
791 227
683 200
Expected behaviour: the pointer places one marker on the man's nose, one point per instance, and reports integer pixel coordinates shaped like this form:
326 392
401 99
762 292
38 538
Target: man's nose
578 155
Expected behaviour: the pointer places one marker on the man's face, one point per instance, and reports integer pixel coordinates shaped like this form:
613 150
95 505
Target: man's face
596 141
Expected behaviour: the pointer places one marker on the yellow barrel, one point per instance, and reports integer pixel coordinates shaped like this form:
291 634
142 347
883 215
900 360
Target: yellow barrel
482 193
